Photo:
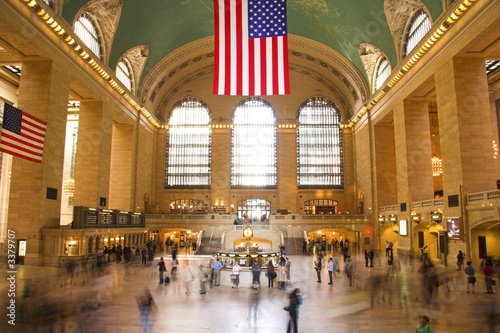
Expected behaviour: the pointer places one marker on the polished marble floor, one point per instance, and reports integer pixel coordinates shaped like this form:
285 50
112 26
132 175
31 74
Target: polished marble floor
106 302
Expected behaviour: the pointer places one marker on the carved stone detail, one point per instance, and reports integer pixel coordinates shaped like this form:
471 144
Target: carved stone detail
370 55
107 13
137 57
398 12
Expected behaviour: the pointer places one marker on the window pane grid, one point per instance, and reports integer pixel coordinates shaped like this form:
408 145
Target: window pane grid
319 144
383 72
188 146
420 25
87 32
254 145
123 74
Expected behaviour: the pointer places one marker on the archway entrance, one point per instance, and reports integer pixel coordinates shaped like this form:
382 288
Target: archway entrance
331 241
485 242
427 234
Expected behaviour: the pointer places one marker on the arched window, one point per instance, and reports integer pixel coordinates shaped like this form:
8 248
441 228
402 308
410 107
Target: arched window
254 145
383 72
419 26
188 146
86 30
123 74
188 206
254 209
319 144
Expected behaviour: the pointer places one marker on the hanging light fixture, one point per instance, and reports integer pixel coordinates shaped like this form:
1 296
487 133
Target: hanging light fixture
437 166
69 187
437 163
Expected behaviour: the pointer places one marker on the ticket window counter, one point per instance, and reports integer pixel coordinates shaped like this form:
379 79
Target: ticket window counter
71 246
21 251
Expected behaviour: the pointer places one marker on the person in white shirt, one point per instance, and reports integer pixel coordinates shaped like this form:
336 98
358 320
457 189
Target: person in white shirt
236 274
330 269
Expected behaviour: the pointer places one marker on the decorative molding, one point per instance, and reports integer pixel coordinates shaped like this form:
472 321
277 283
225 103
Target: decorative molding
398 12
107 14
171 66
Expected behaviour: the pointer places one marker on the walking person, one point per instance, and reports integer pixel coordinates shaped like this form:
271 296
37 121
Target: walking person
287 264
146 306
270 274
295 300
367 258
460 260
424 326
317 267
330 269
349 270
488 277
217 269
188 277
175 264
162 269
256 269
254 299
282 276
236 274
469 273
203 279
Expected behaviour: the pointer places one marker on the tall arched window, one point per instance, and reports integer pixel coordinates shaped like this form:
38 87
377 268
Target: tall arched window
123 74
254 145
419 26
319 144
383 72
86 30
188 146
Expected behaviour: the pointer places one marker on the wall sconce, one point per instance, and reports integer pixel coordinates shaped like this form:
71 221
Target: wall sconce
393 218
381 219
415 217
436 216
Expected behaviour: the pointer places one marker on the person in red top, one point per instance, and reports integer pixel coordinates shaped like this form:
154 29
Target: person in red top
488 272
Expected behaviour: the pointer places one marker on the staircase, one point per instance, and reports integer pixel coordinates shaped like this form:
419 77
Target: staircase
293 245
209 246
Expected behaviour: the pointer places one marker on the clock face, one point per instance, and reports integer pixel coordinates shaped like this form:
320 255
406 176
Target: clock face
247 232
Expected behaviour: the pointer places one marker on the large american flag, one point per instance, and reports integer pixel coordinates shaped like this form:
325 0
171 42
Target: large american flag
251 48
22 134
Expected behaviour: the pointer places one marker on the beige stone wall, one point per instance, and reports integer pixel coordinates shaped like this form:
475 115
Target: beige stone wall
93 156
363 173
122 167
385 159
43 93
144 169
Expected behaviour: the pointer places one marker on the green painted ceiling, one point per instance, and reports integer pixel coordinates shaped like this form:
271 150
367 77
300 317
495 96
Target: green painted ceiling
169 24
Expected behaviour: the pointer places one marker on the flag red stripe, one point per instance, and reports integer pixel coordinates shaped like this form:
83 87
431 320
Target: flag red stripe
285 64
276 78
227 48
9 145
263 67
39 138
13 153
33 119
216 52
6 134
251 67
35 135
239 48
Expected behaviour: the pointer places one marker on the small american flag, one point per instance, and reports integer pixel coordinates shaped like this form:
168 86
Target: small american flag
22 134
251 48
